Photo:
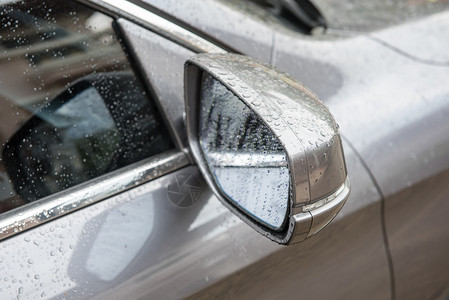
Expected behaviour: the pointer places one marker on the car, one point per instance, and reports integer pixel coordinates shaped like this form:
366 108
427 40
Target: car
224 149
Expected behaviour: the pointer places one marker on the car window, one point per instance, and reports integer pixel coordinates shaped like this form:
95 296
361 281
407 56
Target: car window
71 107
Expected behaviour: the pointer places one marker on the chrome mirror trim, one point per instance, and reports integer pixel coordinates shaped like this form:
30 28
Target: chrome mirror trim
95 190
323 211
304 126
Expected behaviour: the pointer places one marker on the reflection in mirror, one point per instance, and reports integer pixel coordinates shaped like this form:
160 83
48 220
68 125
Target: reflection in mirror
246 159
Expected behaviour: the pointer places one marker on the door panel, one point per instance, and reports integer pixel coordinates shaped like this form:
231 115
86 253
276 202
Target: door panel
148 243
345 260
417 221
94 250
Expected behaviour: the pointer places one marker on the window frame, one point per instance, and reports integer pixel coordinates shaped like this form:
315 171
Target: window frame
105 186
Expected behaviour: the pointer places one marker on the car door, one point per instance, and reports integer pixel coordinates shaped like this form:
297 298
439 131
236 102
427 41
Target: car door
148 227
77 126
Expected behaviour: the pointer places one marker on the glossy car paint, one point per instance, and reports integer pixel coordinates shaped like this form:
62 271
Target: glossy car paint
388 89
139 245
162 64
393 108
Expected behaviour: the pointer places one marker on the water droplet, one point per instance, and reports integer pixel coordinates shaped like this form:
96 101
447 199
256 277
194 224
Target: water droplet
256 102
212 65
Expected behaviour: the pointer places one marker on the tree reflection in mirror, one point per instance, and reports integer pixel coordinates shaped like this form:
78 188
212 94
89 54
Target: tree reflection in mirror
246 159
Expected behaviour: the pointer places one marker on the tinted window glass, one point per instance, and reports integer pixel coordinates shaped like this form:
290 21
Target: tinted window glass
71 108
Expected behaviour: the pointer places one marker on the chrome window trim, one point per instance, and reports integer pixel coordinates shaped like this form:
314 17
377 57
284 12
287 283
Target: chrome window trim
156 23
92 191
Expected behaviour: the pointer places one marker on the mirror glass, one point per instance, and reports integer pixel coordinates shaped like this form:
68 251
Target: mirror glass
246 159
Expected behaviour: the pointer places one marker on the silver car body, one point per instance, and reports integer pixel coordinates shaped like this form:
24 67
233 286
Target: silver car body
390 95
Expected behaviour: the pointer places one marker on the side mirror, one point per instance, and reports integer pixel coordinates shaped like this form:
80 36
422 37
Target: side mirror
268 148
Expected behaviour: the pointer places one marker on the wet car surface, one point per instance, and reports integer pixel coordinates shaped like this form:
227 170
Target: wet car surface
129 217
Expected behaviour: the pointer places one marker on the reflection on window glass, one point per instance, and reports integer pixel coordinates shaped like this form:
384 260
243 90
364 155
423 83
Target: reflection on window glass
71 108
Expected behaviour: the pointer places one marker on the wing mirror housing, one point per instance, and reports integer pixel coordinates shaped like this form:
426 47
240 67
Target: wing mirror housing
268 148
